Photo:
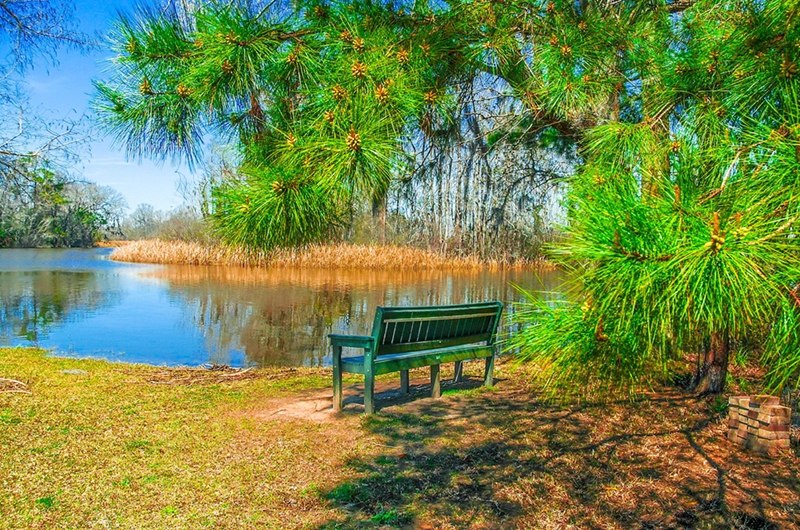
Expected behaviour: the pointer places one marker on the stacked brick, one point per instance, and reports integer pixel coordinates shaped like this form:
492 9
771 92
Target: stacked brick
758 422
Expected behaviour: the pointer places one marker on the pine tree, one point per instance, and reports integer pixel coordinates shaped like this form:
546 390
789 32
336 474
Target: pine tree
685 114
682 216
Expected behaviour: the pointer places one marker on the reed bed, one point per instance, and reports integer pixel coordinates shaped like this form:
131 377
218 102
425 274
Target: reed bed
112 243
333 256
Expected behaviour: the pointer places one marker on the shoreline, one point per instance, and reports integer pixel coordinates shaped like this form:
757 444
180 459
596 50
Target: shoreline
332 256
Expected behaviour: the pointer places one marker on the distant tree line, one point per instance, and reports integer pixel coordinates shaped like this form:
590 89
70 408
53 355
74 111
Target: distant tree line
183 223
43 207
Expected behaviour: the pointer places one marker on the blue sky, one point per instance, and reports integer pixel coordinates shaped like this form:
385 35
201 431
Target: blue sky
65 90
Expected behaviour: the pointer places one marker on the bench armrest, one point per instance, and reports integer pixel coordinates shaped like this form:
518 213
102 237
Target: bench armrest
351 341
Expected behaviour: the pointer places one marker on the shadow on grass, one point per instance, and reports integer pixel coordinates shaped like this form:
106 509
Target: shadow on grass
495 459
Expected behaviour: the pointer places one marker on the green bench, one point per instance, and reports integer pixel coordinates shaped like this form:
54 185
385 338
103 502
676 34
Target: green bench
410 337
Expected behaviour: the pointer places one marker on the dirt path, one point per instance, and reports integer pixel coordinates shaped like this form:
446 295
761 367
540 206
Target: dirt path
317 405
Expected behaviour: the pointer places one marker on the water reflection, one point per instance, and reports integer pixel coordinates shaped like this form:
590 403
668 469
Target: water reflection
80 303
283 316
33 303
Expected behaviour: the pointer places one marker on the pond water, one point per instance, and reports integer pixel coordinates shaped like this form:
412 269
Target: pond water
79 303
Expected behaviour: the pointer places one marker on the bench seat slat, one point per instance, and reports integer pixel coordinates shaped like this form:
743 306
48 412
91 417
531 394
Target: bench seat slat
445 317
386 364
391 314
389 349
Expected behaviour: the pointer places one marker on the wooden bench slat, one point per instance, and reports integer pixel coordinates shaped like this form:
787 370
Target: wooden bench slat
389 349
404 361
442 318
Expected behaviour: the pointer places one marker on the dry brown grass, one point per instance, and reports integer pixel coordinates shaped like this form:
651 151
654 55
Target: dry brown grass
335 256
112 243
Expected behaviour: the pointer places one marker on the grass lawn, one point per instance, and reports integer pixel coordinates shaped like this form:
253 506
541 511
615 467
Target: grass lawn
104 445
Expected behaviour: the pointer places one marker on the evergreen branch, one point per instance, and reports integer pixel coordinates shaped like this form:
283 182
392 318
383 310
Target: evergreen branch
637 255
788 224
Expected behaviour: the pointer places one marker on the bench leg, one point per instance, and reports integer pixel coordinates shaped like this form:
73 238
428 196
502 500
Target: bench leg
459 372
404 381
369 394
436 384
337 378
489 374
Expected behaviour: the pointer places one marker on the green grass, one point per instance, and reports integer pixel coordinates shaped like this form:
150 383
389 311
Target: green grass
111 446
125 446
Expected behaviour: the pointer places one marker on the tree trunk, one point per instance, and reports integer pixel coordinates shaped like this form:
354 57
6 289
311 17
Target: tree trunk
713 372
379 206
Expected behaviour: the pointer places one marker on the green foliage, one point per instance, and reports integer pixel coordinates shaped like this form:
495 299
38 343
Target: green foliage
275 207
682 216
783 346
390 517
46 503
718 406
317 96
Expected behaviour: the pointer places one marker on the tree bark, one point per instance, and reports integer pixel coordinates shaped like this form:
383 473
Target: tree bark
713 372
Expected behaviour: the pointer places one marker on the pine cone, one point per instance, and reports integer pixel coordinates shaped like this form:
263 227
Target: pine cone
381 94
358 44
144 87
231 39
280 187
291 140
227 67
328 116
358 69
183 91
132 47
353 141
402 57
788 68
346 36
430 97
339 93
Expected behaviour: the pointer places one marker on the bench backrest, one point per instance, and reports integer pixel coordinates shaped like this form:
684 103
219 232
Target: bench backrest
408 329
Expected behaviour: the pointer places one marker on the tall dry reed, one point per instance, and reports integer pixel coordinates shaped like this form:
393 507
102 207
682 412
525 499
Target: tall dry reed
334 256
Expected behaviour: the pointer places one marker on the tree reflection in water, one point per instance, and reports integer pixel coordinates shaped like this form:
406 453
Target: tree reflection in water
32 303
282 316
